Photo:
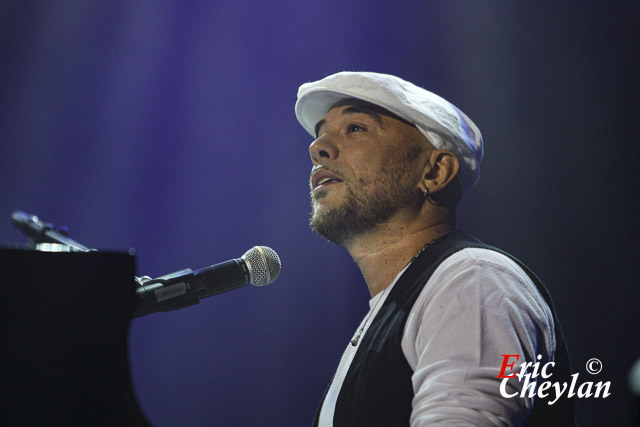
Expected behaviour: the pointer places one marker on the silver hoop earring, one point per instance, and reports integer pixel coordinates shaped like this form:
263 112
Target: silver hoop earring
426 192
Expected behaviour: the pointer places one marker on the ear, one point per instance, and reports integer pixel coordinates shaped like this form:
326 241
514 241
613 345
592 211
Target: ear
441 168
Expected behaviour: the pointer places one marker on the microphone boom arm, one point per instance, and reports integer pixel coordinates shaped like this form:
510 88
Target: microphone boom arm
187 287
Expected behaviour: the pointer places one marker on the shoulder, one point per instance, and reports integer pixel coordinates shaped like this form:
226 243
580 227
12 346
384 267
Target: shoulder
484 270
482 295
478 261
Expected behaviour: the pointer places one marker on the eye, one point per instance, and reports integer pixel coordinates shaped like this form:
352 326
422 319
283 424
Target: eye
355 128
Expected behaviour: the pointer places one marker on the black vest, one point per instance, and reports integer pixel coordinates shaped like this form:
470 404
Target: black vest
377 390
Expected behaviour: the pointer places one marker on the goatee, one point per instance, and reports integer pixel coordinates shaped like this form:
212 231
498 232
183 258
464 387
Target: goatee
367 204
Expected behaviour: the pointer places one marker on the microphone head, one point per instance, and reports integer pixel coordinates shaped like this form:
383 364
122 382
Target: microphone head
264 265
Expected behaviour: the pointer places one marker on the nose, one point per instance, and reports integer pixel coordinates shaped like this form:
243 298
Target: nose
323 149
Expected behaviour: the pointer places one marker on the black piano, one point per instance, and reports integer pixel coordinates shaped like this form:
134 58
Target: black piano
64 320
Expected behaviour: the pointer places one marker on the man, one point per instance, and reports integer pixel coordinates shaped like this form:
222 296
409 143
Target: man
390 162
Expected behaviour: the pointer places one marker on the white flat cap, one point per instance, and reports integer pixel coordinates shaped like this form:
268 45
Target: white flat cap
444 125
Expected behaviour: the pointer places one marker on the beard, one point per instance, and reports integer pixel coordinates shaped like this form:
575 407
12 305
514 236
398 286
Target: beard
368 203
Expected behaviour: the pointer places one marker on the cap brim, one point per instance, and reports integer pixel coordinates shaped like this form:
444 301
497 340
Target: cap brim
313 106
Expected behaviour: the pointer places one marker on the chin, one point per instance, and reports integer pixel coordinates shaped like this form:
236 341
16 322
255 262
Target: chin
318 210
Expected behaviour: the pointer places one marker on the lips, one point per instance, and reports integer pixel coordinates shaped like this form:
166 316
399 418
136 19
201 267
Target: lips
323 178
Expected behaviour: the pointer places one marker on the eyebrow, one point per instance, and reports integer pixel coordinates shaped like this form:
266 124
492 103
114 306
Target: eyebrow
353 109
319 125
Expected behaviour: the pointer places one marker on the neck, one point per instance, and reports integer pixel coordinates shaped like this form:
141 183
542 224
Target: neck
385 251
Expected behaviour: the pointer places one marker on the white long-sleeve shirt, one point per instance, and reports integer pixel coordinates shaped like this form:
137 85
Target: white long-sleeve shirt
477 305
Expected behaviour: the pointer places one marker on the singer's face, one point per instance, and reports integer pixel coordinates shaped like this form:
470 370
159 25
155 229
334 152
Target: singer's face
366 169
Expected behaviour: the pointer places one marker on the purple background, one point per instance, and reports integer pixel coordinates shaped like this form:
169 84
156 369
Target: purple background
168 126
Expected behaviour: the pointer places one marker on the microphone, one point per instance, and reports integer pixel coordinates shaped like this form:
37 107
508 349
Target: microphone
259 266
